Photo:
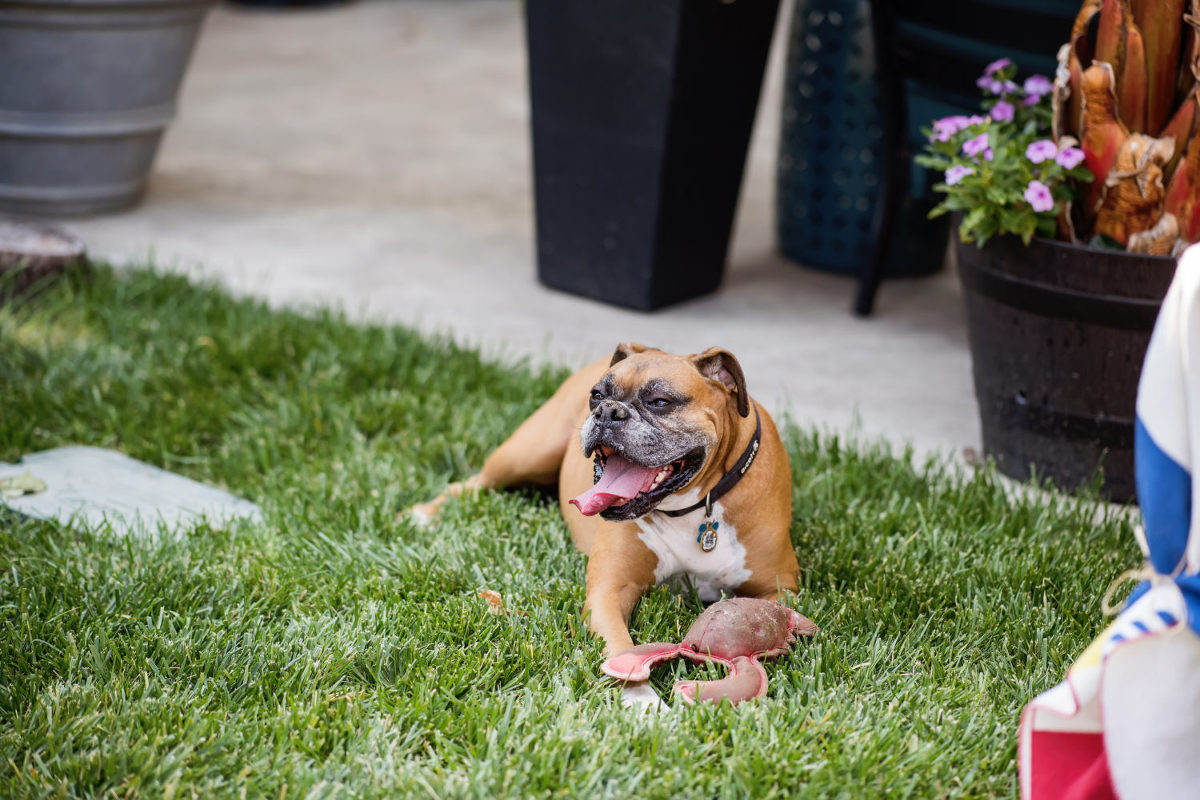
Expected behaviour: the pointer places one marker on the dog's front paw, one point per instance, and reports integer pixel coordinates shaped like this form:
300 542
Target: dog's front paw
423 515
641 697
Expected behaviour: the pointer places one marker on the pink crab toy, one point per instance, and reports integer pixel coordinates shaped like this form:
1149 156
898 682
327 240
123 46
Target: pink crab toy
736 633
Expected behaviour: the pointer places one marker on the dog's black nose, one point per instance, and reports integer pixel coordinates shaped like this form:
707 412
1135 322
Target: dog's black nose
611 411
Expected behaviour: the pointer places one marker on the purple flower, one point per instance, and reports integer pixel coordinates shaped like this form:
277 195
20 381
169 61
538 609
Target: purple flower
957 173
974 147
996 66
1033 99
1069 158
1038 196
1037 85
988 154
975 119
1039 151
1002 111
990 84
946 127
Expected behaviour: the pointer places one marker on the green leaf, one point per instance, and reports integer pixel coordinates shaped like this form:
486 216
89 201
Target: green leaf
996 195
1027 227
975 218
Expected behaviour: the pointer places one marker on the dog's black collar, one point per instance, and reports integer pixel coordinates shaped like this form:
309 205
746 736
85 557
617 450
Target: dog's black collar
730 478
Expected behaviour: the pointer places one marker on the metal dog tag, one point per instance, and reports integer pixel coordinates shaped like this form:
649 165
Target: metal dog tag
708 535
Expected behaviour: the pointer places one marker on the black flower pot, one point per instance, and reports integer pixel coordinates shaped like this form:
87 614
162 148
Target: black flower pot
641 116
1058 333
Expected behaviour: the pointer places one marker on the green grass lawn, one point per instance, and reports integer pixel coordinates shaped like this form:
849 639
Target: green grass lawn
333 652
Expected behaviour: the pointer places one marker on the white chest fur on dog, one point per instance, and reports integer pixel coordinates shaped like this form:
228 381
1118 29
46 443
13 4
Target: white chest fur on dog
673 541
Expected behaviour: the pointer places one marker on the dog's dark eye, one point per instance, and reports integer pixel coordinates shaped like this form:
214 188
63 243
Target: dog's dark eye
597 396
659 403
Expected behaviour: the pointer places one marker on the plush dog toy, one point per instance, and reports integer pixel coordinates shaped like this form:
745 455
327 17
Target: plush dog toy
735 632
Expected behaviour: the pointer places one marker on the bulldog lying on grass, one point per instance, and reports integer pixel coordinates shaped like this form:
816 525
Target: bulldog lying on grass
665 468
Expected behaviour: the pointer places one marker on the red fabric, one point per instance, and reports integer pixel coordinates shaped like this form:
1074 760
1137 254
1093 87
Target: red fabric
1069 766
1094 784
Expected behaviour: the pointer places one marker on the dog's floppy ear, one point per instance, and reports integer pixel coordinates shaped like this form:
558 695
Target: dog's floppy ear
626 349
720 365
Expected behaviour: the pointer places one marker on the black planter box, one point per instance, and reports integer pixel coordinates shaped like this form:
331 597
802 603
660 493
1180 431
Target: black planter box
642 113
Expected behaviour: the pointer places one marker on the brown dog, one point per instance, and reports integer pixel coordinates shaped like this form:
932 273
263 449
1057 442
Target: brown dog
637 444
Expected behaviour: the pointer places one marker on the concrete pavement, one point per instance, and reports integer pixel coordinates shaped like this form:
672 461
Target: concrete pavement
375 156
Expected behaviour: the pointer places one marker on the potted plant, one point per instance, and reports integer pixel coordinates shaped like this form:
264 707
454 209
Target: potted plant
1072 195
87 89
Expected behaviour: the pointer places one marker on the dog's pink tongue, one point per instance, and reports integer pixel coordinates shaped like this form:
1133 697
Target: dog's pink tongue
622 480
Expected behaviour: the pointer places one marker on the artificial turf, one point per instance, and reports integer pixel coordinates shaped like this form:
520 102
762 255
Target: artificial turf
332 651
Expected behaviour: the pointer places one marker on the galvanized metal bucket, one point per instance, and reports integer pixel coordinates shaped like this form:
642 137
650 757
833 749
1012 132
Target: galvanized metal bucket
87 88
